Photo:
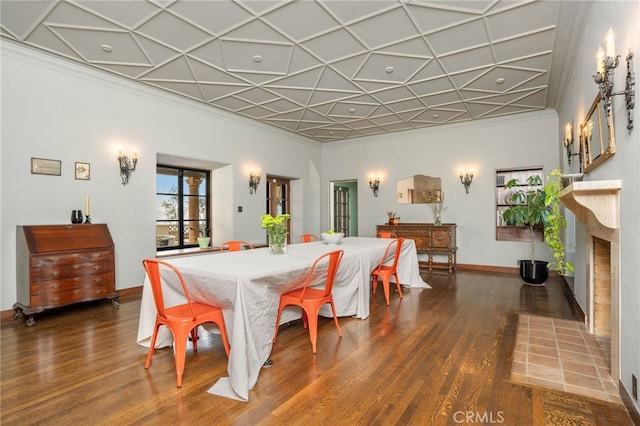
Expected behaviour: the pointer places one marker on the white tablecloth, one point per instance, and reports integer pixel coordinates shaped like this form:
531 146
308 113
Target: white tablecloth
247 286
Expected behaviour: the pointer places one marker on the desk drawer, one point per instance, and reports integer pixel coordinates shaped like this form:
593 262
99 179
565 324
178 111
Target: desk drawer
64 284
79 294
70 265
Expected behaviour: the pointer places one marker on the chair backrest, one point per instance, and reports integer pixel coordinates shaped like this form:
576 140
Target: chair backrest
384 235
235 245
398 247
332 268
307 238
152 267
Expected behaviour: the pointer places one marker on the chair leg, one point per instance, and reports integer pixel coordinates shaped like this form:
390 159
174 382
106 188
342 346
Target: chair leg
374 283
275 336
398 284
335 318
194 338
385 287
180 353
313 330
153 346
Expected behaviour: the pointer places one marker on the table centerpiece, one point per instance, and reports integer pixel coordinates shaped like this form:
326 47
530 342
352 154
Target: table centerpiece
276 232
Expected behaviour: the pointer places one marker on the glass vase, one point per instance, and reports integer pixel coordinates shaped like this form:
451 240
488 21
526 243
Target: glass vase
278 245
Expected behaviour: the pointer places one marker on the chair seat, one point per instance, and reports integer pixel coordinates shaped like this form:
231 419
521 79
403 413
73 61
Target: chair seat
182 313
309 294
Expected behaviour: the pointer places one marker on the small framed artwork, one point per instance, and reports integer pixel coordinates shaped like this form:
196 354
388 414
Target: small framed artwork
43 166
83 171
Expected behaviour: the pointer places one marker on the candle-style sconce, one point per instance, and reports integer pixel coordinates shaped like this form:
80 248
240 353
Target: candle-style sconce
606 62
466 178
127 165
374 184
254 181
568 143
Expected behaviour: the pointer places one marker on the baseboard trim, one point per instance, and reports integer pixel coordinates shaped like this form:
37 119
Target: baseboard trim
125 293
629 404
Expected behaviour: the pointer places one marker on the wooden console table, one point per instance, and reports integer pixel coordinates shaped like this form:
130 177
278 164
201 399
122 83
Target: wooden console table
58 265
429 239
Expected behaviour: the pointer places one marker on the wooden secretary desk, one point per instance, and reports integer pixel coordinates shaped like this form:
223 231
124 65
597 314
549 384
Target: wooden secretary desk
429 239
58 265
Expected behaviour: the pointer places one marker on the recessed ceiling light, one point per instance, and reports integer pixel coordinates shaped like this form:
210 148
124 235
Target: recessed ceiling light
257 58
435 116
500 80
352 110
106 48
389 70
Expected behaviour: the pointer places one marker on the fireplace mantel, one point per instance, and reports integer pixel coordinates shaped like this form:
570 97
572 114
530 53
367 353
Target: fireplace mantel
594 203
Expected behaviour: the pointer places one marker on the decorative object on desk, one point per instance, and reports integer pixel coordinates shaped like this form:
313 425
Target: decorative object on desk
437 209
374 184
606 62
43 166
393 218
127 165
87 219
76 216
83 171
466 178
332 237
254 181
276 232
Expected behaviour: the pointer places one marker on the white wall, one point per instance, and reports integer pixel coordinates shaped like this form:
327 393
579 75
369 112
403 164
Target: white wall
623 17
522 140
57 110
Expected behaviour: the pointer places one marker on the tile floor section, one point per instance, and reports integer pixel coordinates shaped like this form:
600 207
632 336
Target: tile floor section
561 355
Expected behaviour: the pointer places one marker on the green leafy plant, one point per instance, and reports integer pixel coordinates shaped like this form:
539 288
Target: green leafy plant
528 206
276 227
556 223
536 205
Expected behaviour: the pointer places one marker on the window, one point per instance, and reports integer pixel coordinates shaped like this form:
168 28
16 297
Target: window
182 206
508 231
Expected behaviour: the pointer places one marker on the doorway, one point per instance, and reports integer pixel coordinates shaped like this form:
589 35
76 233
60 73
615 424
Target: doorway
344 207
278 199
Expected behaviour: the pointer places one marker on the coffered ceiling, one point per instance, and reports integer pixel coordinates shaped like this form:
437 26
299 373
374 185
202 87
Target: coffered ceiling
327 69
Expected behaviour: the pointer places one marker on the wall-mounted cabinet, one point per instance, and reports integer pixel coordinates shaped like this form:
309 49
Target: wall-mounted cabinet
509 231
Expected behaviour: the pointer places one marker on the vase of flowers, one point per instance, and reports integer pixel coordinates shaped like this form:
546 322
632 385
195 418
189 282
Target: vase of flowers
437 209
276 232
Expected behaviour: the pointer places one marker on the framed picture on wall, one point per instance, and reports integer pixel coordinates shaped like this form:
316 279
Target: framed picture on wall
83 171
43 166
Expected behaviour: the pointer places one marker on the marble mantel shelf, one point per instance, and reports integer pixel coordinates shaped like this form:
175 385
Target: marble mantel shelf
594 202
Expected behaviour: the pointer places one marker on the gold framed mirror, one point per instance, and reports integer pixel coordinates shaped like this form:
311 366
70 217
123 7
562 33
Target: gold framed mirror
596 135
419 189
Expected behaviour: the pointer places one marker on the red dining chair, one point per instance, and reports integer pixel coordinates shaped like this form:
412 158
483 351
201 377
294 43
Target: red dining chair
310 299
236 245
384 235
385 272
307 238
183 320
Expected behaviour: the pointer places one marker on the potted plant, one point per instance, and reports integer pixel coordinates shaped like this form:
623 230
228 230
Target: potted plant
203 238
535 205
556 222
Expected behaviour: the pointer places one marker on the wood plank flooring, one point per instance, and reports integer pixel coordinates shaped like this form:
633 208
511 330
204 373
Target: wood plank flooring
438 357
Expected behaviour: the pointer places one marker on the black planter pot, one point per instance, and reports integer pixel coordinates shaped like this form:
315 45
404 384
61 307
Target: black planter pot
535 273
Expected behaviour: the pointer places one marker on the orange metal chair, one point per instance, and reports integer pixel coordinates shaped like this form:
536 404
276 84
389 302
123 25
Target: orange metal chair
311 299
183 320
385 272
235 245
384 235
307 238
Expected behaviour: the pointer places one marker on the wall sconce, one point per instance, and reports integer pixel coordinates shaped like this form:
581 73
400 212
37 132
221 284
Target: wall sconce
374 184
254 181
127 165
568 143
606 62
466 178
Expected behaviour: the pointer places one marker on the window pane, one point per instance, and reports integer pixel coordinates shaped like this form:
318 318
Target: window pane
167 181
166 207
166 234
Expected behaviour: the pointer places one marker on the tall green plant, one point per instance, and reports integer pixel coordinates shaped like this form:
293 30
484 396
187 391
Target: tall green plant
528 206
556 223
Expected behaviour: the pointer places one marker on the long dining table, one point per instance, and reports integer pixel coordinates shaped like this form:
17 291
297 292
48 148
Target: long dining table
247 286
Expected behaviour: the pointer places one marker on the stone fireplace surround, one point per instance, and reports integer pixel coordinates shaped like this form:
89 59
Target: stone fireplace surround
597 205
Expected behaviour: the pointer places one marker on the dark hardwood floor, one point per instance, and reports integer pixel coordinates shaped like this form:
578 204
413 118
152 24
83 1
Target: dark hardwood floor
439 356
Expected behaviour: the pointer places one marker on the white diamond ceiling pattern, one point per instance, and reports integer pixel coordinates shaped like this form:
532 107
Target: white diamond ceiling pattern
328 70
